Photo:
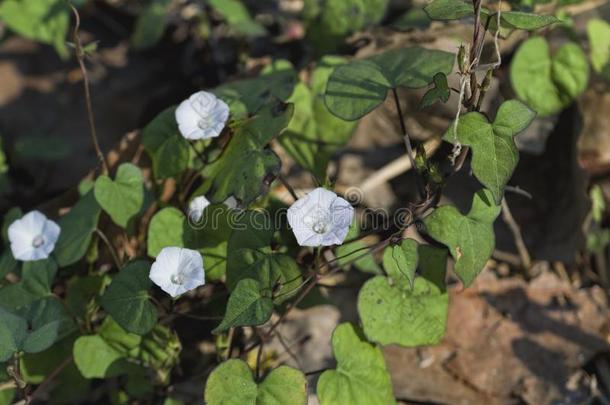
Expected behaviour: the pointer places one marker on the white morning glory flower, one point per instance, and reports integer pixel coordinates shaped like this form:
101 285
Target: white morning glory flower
196 207
33 236
199 204
202 116
321 218
177 270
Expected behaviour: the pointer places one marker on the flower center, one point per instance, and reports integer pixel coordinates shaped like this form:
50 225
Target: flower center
177 278
38 241
319 220
204 122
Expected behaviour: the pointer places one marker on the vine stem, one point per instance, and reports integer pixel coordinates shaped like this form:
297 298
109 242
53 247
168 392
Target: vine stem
113 252
407 139
507 216
80 57
48 379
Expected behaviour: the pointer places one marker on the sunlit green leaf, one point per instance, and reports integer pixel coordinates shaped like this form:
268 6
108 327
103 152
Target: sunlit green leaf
122 198
494 153
393 313
470 238
46 21
361 377
598 32
95 358
400 262
548 83
232 383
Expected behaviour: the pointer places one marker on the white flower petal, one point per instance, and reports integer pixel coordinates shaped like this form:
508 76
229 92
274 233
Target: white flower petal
202 116
321 218
177 270
33 237
196 208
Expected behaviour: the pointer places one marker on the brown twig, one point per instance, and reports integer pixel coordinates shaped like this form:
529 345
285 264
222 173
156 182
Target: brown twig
508 218
285 183
80 57
113 252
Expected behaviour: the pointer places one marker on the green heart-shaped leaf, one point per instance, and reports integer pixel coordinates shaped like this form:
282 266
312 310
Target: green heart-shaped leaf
455 9
361 377
77 226
168 150
245 97
545 83
37 277
355 89
46 21
95 358
440 91
126 299
400 261
494 154
246 168
232 383
238 17
122 198
250 256
32 328
470 238
354 251
248 305
392 313
598 32
166 228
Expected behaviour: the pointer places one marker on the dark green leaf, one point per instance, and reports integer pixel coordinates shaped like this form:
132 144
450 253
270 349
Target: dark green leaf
168 150
76 229
150 25
358 87
238 17
126 299
440 91
275 83
248 305
257 166
37 276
